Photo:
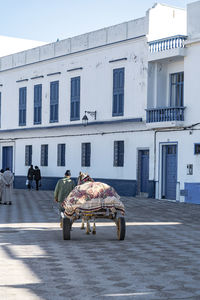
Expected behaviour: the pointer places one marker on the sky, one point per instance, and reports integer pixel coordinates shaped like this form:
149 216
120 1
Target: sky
49 20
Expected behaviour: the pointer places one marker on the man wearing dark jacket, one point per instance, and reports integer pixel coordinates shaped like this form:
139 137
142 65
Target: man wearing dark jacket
30 177
37 177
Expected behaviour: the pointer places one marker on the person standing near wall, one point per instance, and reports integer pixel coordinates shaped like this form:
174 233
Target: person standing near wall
8 179
1 186
63 187
30 177
37 177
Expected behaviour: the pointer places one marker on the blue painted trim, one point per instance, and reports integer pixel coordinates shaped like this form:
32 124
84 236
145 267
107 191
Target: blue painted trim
36 77
56 73
123 187
75 69
192 191
77 52
119 59
135 120
21 80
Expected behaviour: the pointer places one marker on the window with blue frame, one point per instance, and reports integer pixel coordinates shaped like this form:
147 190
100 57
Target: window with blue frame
54 98
118 154
176 89
75 99
37 104
28 155
86 153
44 155
61 155
22 106
118 92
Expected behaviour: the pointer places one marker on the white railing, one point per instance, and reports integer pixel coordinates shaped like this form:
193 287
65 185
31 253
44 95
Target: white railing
167 43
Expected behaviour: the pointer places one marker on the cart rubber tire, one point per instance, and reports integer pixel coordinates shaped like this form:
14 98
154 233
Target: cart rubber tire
121 228
66 228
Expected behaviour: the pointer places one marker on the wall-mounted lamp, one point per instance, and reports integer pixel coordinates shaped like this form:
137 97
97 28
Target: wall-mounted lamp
85 118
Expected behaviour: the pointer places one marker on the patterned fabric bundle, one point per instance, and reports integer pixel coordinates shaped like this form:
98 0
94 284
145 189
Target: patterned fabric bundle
90 197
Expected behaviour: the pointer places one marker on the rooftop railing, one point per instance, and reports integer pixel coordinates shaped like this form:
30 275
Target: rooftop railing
165 114
173 42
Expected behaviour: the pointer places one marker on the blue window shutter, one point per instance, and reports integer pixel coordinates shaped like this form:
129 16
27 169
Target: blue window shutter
118 154
22 106
28 155
86 154
54 99
118 92
75 99
61 155
37 104
44 155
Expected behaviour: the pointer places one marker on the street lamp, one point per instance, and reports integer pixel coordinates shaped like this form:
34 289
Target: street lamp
85 118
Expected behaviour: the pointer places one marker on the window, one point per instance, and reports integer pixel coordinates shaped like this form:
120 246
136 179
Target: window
54 97
196 148
22 106
37 103
118 153
176 93
118 92
61 155
75 99
44 155
28 155
86 153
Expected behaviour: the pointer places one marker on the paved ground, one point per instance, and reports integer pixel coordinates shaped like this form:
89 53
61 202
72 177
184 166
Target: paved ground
159 259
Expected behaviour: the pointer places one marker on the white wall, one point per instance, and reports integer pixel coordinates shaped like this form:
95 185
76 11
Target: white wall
165 21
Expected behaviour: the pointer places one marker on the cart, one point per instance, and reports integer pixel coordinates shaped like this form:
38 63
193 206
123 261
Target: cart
89 202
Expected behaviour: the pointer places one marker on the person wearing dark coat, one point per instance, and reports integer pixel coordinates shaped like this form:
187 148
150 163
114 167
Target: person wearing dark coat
37 177
30 176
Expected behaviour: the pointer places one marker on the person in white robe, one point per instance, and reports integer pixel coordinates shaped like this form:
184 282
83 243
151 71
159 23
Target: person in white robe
8 179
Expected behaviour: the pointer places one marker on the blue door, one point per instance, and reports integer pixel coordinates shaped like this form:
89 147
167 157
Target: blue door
170 171
144 180
7 158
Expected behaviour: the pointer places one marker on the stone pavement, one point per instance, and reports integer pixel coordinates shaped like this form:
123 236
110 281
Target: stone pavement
159 259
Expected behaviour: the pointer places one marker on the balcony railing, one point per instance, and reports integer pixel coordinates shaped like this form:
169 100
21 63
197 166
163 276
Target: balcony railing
173 42
165 114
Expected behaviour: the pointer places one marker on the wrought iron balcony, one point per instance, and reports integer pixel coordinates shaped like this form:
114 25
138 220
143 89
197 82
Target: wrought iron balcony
173 42
165 114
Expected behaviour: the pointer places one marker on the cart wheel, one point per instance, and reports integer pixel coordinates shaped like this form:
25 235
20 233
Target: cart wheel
121 228
66 228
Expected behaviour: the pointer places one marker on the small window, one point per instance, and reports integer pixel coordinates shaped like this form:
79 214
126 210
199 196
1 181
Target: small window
196 148
28 155
86 153
61 155
44 155
118 154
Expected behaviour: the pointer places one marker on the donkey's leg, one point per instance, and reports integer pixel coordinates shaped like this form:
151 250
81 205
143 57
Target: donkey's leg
82 224
94 228
88 227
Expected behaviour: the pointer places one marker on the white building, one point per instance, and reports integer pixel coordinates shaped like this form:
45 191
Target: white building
133 82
